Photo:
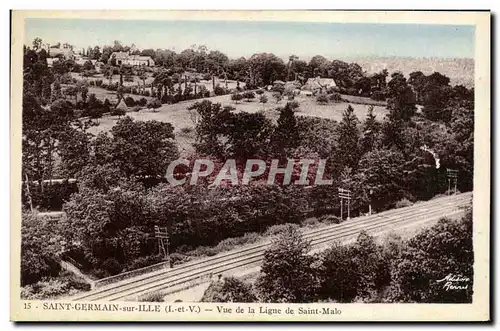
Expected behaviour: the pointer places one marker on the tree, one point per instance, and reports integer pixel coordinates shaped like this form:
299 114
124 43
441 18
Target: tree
56 91
291 59
322 99
367 255
348 139
41 245
419 275
339 274
418 80
74 149
236 97
154 104
286 134
248 135
249 95
436 96
229 289
402 98
383 174
88 65
119 111
318 66
265 68
37 43
371 130
287 272
143 148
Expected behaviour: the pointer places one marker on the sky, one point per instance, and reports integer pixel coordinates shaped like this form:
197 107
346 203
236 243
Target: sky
244 38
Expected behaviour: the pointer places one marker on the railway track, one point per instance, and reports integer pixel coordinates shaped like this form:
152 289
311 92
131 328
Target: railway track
252 256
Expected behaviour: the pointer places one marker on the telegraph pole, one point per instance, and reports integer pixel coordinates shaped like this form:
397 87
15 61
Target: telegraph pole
452 175
345 195
161 234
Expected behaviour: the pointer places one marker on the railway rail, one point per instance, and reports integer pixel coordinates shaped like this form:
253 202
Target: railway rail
253 255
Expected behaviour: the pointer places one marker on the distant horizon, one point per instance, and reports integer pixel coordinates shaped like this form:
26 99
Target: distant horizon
245 38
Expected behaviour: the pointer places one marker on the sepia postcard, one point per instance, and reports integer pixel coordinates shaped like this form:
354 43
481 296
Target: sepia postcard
250 166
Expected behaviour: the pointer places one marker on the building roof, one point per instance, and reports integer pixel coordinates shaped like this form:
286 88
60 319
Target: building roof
119 55
139 58
318 83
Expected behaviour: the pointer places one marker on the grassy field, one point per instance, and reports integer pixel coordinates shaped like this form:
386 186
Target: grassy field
178 115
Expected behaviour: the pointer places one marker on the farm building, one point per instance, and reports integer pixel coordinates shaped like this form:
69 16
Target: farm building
293 87
318 84
134 60
58 50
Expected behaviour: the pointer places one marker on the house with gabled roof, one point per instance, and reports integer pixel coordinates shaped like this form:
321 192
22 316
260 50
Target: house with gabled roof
318 84
133 60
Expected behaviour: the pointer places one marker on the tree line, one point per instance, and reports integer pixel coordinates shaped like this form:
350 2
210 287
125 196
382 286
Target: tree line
396 270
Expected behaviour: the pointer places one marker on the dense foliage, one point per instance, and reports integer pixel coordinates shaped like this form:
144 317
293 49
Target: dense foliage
413 270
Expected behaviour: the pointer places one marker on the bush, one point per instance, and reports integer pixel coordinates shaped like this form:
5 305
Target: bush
154 104
277 229
322 99
249 95
146 93
229 289
403 203
66 79
207 77
263 99
136 109
310 222
218 90
143 101
111 266
155 296
352 91
118 112
129 101
278 97
234 242
335 97
203 251
259 92
178 258
46 289
378 95
144 261
278 88
330 219
92 83
236 97
288 271
74 281
98 82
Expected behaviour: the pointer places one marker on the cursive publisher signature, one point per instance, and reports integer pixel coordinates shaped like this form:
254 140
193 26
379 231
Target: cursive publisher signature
455 282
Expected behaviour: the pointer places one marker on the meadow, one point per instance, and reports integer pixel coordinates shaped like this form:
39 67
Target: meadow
180 117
